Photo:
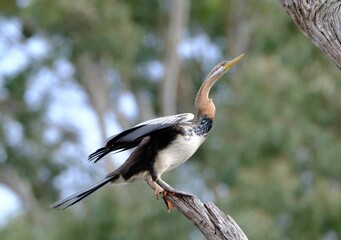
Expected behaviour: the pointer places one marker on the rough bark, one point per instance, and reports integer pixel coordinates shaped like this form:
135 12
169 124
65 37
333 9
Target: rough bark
207 217
320 21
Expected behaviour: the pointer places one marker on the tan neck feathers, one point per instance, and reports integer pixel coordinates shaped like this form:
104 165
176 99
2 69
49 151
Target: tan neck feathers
203 104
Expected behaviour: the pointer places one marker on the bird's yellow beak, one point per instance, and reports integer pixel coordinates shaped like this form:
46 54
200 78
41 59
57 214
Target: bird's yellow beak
232 62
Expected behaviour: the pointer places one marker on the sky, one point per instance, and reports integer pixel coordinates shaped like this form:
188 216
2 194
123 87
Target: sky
69 103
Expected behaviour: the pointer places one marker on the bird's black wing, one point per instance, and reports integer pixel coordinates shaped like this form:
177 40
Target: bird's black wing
132 137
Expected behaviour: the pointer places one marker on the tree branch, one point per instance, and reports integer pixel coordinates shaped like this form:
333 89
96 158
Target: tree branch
320 21
208 218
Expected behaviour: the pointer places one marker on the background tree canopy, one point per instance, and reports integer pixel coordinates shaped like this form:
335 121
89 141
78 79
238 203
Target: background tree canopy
72 73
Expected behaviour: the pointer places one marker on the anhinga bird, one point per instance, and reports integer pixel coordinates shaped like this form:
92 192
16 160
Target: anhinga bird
162 144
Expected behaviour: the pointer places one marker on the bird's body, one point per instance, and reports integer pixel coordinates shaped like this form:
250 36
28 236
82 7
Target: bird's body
185 143
161 144
162 150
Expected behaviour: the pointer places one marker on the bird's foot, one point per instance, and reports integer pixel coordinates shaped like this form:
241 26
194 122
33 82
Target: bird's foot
174 192
160 191
179 193
171 190
169 205
162 188
157 189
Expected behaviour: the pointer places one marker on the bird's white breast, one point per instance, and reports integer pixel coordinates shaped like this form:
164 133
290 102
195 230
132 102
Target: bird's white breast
178 152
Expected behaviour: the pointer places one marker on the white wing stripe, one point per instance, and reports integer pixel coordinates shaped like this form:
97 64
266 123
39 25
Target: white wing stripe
183 117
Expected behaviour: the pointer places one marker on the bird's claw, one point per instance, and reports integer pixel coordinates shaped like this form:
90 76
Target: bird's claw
163 193
163 189
169 205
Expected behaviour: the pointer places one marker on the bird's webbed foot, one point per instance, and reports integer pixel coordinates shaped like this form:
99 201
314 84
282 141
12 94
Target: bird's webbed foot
161 187
171 190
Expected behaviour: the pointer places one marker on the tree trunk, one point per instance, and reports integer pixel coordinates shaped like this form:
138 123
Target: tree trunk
237 32
97 88
178 20
320 21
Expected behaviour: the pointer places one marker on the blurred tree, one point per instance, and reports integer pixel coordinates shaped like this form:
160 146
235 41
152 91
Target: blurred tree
27 154
271 160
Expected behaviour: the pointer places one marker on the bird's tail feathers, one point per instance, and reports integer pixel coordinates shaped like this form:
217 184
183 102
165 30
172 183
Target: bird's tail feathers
67 202
100 153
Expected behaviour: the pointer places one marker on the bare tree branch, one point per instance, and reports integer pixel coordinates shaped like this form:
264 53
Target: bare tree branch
320 21
208 218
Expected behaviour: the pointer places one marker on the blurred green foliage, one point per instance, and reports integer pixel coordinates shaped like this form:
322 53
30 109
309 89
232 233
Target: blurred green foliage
271 161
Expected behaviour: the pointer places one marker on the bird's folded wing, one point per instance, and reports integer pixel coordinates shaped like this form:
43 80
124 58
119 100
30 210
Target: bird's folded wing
147 127
130 138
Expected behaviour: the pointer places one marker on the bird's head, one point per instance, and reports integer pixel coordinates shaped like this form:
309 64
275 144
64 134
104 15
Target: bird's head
222 68
203 103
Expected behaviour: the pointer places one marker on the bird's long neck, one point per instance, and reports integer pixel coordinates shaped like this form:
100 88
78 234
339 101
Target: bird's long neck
203 104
